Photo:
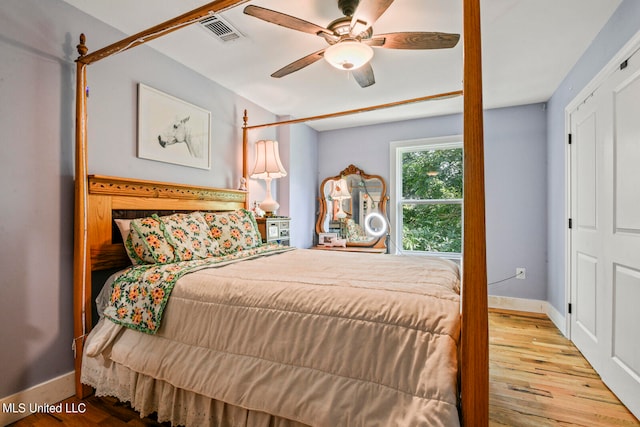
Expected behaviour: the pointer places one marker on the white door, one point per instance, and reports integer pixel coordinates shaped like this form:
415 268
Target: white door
605 238
586 252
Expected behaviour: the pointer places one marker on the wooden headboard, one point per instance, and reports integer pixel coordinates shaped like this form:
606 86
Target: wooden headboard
108 195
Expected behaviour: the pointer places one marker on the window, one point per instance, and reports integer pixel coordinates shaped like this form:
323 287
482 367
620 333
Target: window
426 193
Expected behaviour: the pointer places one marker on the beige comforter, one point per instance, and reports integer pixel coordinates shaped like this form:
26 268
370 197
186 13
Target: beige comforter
319 337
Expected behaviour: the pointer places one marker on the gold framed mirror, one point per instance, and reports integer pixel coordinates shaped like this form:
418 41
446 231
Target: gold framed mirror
353 205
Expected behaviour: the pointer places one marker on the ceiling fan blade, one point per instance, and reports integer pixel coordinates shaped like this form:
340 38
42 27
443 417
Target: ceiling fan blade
286 21
374 41
416 40
366 14
299 64
364 75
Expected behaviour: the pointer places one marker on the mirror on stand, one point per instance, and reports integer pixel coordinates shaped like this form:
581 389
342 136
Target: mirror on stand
353 210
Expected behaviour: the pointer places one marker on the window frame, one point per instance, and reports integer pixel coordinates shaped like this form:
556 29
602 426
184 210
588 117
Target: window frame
396 149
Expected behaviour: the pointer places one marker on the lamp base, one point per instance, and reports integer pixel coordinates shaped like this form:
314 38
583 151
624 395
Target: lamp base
269 206
341 214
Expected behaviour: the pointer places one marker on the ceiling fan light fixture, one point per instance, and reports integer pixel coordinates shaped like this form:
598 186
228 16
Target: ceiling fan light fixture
348 54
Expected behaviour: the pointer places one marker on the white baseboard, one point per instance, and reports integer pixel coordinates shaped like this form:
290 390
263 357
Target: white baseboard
17 406
518 304
557 318
531 306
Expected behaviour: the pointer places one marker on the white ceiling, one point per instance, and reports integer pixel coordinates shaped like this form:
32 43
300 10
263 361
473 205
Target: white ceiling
528 48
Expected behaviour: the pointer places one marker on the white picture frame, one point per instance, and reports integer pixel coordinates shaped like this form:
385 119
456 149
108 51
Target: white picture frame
327 239
171 130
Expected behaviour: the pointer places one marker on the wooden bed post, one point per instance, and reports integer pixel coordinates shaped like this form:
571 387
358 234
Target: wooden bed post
81 261
245 155
475 322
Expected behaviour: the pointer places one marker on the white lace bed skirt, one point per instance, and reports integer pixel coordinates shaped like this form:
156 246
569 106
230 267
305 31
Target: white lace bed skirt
178 406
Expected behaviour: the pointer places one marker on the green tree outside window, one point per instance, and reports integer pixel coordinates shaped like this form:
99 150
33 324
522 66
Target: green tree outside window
432 200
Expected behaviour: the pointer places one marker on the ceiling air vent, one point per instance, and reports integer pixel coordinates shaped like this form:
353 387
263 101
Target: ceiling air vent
220 29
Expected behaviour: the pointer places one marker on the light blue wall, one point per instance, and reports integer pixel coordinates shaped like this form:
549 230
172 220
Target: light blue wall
112 112
303 184
36 189
622 26
515 181
297 195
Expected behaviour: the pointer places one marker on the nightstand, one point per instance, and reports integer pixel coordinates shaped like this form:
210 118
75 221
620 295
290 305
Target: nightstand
274 229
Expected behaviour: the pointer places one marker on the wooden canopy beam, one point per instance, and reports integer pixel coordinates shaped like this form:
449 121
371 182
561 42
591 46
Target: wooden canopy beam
161 29
246 128
444 95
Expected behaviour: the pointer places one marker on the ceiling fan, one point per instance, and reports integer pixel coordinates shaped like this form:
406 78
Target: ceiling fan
351 37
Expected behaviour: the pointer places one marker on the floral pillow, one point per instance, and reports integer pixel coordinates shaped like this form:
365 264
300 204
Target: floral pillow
147 244
189 235
171 238
355 233
124 225
235 231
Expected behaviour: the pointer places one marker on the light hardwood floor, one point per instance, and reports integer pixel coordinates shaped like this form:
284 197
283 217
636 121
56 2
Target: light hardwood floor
537 378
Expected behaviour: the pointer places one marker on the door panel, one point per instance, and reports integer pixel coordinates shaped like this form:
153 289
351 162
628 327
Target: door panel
626 345
587 177
627 157
586 294
586 236
605 244
622 243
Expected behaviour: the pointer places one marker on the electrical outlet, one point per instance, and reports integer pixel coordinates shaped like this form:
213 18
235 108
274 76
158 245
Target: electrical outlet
521 273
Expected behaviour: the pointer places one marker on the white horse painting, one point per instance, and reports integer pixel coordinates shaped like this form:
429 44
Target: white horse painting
178 133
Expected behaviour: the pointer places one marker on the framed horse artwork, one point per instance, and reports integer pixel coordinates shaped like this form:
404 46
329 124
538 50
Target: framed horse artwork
172 130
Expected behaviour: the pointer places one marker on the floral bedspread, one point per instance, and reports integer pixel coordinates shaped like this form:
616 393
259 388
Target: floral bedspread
140 294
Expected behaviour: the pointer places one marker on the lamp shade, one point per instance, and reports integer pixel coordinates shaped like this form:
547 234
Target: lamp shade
340 189
268 164
339 192
348 54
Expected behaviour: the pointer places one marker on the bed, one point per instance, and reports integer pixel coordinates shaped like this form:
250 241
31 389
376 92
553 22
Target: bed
433 372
